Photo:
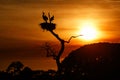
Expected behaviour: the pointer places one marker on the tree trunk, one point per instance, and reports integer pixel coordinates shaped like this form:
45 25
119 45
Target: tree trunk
62 42
59 55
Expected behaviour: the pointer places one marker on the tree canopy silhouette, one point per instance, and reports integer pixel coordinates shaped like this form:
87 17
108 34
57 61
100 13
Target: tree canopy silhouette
15 67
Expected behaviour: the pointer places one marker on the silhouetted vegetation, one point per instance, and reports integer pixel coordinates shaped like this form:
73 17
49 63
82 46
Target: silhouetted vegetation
15 68
99 61
49 26
17 71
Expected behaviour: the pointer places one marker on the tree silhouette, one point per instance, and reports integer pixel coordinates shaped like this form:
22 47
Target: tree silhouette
15 68
49 50
49 26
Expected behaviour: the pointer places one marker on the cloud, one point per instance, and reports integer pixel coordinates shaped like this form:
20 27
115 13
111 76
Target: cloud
58 4
18 17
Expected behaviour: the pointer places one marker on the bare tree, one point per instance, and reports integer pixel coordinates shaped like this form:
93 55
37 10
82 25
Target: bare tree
49 26
50 51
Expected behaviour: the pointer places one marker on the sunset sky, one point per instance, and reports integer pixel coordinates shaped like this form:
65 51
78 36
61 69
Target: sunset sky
21 35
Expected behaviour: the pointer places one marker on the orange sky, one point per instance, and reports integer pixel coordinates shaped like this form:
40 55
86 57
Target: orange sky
19 23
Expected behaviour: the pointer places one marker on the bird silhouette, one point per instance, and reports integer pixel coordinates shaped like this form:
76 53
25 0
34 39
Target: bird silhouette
51 19
45 17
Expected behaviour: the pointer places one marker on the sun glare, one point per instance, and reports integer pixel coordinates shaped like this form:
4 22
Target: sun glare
88 30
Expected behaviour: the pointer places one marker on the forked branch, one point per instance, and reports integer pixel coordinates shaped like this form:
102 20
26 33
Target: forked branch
72 37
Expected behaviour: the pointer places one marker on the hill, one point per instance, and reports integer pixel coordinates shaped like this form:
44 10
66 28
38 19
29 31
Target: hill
99 61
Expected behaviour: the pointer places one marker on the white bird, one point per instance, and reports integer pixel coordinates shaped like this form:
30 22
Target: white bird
45 17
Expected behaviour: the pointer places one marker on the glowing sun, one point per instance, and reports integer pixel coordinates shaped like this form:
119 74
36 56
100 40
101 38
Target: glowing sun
88 31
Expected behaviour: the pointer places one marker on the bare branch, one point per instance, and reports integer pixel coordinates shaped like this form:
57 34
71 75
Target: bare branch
72 37
49 50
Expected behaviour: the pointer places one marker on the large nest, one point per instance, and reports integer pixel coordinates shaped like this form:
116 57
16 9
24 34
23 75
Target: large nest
48 26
